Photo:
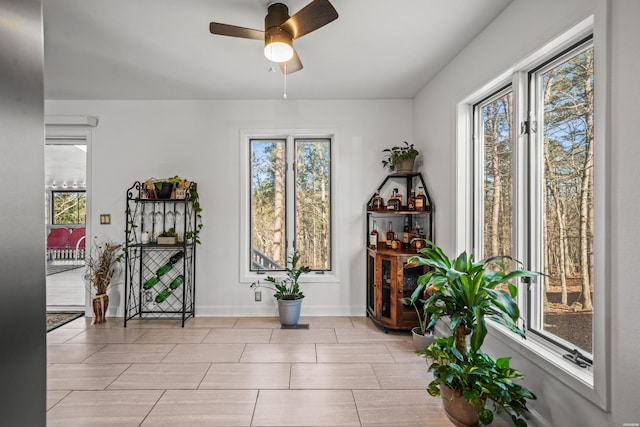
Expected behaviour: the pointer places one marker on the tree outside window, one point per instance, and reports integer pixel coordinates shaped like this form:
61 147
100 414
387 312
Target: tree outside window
290 209
68 207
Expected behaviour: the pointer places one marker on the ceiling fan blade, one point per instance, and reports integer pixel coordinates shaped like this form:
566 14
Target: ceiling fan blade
292 65
316 14
235 31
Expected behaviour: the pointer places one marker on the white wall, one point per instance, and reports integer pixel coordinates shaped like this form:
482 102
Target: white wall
200 140
520 30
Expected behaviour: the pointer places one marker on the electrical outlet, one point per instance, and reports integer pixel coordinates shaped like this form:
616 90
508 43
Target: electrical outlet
148 297
258 295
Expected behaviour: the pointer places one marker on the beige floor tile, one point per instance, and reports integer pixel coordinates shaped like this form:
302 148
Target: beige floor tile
305 408
62 335
238 335
173 335
323 376
353 353
206 408
161 376
71 353
108 335
137 323
321 322
103 408
82 376
279 353
211 322
366 335
247 376
55 396
404 352
407 408
258 322
402 376
301 336
131 353
204 353
363 322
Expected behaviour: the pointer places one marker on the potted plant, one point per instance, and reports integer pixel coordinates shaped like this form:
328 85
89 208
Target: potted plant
287 291
421 335
400 158
101 264
169 237
468 293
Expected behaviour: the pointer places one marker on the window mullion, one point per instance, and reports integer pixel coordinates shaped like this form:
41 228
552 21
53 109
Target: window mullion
290 194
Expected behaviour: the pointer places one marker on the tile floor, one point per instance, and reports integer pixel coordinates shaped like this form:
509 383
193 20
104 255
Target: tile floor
342 371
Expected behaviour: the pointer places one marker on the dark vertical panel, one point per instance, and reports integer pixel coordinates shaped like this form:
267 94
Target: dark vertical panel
22 235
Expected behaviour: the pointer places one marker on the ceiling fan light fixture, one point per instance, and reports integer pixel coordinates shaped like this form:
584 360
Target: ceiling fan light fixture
278 47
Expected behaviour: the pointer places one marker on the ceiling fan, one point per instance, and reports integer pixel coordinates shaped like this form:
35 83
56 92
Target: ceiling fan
280 30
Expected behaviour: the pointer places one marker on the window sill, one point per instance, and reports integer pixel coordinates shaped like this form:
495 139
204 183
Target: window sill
551 361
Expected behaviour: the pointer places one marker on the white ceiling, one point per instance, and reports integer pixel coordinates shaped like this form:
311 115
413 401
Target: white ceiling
162 49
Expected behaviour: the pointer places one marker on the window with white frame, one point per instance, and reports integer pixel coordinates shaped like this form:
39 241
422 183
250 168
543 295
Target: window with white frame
290 210
534 186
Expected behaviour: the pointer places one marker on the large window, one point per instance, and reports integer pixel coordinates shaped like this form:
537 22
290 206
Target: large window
290 211
535 195
68 207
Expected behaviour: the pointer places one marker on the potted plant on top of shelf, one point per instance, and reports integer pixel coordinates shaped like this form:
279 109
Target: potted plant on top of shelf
469 293
287 290
400 158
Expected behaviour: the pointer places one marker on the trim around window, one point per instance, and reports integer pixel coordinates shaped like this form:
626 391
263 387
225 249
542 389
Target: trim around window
246 275
593 382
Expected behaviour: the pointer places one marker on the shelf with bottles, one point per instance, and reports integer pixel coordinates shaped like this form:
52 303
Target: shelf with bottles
393 225
159 277
393 236
407 193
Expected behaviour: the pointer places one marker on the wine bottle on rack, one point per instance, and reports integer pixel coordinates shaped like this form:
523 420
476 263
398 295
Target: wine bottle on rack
175 284
163 270
162 296
153 280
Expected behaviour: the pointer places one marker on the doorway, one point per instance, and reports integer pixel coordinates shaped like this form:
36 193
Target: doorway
66 219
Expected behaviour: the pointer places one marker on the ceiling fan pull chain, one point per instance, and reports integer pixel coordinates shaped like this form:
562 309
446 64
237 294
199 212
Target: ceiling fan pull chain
285 81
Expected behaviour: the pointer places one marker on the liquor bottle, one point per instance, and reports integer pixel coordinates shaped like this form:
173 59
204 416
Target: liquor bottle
421 200
406 231
373 237
377 202
411 202
394 203
391 236
399 197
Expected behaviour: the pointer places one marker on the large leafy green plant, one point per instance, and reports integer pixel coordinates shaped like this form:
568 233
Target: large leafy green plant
477 377
287 288
468 293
